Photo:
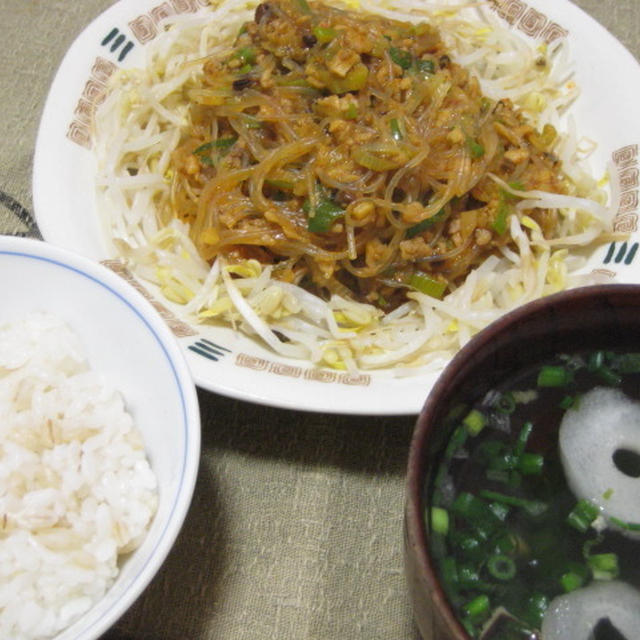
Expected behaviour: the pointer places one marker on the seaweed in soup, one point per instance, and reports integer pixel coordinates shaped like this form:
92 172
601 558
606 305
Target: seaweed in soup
507 533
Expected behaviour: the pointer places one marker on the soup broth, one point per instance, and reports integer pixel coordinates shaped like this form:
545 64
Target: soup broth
507 534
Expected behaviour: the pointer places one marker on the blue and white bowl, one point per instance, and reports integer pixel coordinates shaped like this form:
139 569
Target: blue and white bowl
126 341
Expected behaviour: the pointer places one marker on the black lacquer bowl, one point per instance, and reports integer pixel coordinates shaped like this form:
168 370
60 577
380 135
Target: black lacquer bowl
603 317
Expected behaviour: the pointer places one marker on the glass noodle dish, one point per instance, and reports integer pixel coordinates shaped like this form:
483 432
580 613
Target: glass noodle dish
359 186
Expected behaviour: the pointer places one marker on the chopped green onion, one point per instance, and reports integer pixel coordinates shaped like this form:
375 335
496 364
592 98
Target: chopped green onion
628 526
598 364
326 213
221 144
372 161
505 461
468 576
604 566
424 284
279 184
507 543
355 79
475 421
456 442
566 402
246 55
596 361
423 225
474 510
531 464
501 567
324 34
224 143
537 604
352 112
401 57
582 515
477 515
609 377
523 438
449 570
554 376
293 80
499 224
571 581
469 626
439 520
478 607
396 132
206 160
501 470
304 7
427 67
532 507
475 148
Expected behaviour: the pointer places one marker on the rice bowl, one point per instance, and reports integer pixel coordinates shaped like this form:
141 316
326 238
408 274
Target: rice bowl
79 491
126 343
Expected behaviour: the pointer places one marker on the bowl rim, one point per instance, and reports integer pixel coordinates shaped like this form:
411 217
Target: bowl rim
419 443
144 311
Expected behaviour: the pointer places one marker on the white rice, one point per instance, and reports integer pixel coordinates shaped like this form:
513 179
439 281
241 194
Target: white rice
76 489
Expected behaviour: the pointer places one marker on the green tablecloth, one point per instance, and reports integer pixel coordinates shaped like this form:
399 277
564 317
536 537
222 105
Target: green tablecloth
295 531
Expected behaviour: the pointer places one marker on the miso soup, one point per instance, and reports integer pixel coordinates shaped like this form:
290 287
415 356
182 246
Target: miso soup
507 533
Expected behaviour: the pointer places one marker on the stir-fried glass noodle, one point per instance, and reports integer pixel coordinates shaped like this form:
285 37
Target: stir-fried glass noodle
359 187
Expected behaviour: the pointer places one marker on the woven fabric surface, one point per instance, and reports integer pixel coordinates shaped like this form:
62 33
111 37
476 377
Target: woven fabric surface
295 530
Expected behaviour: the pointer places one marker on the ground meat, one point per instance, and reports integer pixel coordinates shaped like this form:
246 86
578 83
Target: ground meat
395 175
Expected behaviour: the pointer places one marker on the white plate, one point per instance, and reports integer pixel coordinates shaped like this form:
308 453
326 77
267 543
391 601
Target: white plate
233 365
